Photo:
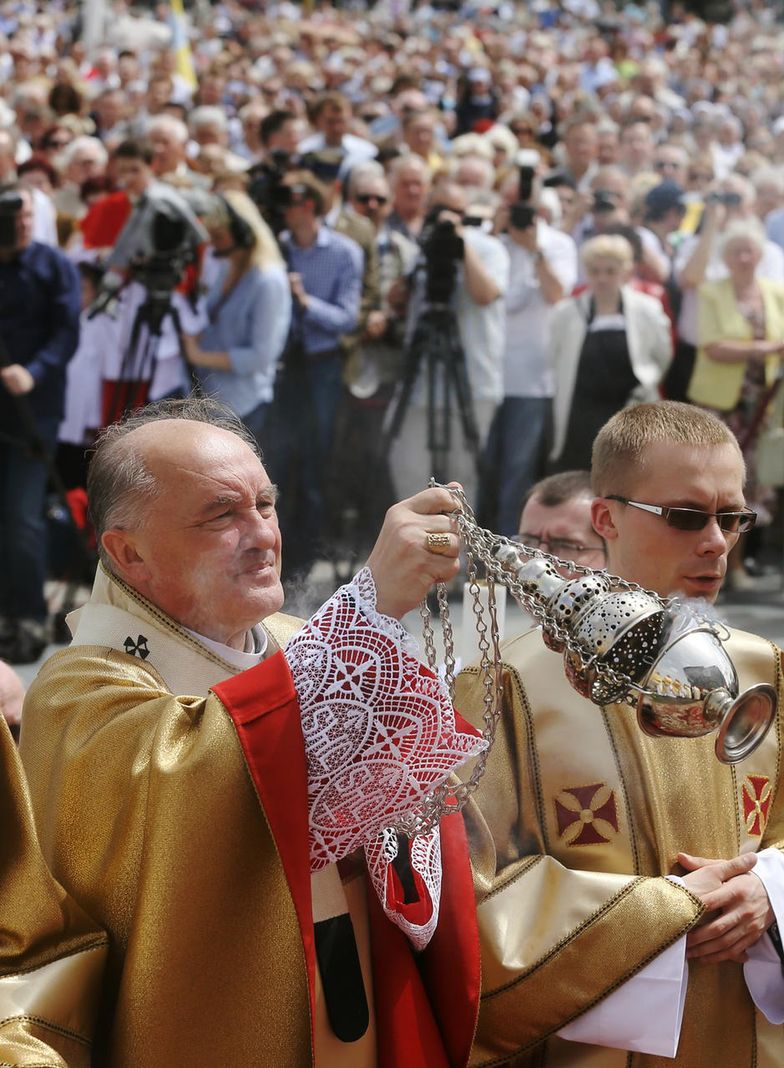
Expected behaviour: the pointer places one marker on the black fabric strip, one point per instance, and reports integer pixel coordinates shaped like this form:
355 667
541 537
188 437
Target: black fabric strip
402 865
341 978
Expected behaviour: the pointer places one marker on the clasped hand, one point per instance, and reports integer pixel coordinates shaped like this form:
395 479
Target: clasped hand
17 379
738 911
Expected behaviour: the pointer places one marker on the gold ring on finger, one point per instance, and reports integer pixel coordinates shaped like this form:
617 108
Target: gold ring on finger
437 543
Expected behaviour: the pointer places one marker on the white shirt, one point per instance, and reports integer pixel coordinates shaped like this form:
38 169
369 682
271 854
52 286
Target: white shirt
483 327
44 218
725 157
84 378
527 368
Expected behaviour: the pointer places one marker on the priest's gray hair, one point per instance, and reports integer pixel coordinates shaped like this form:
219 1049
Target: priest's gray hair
118 481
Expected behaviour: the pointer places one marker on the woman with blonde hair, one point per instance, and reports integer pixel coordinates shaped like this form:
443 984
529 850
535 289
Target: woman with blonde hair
249 306
610 347
740 334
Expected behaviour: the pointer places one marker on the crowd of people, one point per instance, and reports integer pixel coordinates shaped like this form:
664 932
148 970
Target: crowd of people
419 241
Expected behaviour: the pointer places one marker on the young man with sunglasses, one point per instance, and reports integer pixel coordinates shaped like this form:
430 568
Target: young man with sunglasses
629 886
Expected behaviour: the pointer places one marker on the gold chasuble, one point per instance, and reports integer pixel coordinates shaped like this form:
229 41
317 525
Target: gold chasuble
51 955
577 819
180 823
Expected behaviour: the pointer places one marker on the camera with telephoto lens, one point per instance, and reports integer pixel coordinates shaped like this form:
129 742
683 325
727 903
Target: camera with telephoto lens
604 202
523 212
729 200
266 188
10 206
443 249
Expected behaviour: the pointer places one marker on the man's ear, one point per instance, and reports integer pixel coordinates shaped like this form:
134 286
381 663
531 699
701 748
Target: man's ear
120 546
602 519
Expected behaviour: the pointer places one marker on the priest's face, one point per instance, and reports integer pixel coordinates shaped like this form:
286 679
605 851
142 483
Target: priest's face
644 548
206 549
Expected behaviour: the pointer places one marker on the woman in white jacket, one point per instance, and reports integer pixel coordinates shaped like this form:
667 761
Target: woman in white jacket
610 347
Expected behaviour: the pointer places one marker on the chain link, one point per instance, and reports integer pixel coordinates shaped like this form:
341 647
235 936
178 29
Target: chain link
429 636
485 544
480 547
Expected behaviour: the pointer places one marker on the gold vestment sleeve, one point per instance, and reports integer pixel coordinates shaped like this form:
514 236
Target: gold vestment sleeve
555 940
51 954
168 837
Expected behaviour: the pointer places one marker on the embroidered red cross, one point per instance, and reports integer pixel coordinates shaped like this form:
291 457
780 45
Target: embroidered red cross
586 815
756 796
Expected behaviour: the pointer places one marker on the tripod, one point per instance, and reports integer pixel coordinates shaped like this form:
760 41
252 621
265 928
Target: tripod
436 345
131 389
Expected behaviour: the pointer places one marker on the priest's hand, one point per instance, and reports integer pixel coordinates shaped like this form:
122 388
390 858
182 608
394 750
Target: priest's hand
404 562
739 908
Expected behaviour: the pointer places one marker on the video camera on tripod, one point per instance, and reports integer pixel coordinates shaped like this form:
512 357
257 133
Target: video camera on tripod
435 350
157 244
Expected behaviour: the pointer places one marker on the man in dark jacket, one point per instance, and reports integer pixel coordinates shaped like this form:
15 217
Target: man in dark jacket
39 332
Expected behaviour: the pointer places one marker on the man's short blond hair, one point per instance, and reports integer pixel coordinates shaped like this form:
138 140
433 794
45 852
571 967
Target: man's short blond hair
620 447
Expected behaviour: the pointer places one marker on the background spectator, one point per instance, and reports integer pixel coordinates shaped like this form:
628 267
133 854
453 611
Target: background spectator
39 326
610 346
741 338
249 309
325 277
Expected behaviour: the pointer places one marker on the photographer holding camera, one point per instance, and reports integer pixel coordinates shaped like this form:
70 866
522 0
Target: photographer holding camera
463 274
39 333
543 271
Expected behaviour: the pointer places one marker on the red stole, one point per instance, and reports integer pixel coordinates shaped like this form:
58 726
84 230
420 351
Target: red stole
425 1017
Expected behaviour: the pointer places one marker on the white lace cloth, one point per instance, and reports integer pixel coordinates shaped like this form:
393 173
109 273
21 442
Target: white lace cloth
380 734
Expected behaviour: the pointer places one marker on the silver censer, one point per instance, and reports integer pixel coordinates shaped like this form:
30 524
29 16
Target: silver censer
627 644
620 643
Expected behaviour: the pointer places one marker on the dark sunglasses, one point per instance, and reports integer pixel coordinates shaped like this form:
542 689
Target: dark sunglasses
695 518
368 198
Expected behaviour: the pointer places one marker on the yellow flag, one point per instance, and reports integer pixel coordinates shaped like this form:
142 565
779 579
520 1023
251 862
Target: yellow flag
180 44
